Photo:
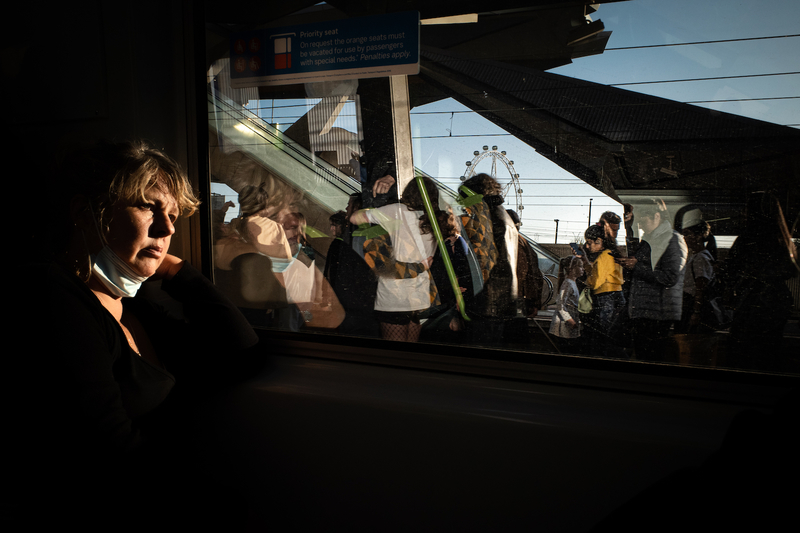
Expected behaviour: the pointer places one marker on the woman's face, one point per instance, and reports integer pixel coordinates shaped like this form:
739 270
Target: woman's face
140 233
291 225
594 245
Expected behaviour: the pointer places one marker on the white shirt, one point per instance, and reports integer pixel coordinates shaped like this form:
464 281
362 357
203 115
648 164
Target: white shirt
408 246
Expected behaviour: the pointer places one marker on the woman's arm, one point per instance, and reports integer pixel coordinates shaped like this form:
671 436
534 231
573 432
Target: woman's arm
568 305
600 270
168 268
210 315
269 237
561 305
359 217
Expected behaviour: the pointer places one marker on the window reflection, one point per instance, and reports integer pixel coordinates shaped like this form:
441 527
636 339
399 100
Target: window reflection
677 213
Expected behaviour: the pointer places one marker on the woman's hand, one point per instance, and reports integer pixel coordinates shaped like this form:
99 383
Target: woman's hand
627 262
168 268
571 323
382 185
586 263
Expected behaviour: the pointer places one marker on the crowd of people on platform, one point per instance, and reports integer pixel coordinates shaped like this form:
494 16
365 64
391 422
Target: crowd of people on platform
385 270
386 275
626 304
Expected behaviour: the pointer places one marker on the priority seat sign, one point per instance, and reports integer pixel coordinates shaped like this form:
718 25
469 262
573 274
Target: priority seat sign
363 47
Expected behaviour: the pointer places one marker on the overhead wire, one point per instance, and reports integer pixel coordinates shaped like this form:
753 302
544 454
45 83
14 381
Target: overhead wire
654 82
741 39
710 78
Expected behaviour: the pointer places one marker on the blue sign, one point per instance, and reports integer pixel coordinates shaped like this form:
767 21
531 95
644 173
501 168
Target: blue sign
364 47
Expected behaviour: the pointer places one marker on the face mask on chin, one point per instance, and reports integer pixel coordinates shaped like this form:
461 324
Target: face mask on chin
115 274
279 265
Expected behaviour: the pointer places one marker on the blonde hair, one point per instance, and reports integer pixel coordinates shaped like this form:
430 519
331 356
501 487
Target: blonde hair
109 173
145 168
252 202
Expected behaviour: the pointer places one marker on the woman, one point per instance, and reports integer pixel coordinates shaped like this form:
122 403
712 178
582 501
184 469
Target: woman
699 273
656 272
103 353
398 302
566 319
252 231
605 281
294 224
248 256
495 239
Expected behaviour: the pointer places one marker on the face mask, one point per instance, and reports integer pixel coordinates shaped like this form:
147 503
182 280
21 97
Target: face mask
279 265
115 274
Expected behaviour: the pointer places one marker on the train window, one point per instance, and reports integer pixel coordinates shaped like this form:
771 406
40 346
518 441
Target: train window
610 181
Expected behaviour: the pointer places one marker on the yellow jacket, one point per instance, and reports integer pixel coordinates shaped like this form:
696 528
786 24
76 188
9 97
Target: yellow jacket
606 274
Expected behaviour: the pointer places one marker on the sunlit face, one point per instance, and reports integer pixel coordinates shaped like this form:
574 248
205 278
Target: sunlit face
140 233
594 245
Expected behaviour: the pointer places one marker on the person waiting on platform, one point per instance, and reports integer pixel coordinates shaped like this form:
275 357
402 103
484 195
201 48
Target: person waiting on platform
605 282
399 302
657 271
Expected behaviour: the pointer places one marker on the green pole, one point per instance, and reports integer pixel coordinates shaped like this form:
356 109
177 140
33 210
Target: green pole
437 232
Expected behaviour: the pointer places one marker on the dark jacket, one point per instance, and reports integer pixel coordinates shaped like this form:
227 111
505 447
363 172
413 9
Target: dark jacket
657 293
529 277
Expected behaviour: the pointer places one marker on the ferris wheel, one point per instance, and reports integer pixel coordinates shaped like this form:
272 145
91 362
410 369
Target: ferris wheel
512 187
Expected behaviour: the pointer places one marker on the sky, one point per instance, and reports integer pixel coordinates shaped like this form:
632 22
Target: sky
445 135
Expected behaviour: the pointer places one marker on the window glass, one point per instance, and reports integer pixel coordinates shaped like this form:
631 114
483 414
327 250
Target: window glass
634 160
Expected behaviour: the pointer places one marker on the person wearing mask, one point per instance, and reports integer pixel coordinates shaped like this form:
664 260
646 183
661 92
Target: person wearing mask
116 362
